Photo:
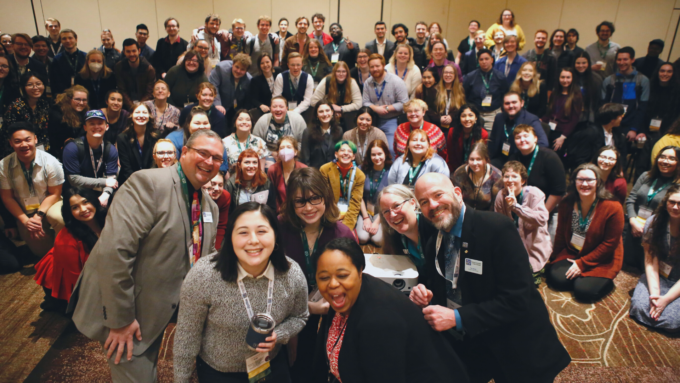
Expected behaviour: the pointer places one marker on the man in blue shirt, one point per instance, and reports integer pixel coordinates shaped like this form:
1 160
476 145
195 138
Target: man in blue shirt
479 292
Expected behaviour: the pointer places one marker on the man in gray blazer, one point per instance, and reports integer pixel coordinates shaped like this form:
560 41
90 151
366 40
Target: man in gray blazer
129 288
381 45
232 80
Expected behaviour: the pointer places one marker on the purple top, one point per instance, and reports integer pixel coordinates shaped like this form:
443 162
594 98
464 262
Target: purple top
292 241
565 124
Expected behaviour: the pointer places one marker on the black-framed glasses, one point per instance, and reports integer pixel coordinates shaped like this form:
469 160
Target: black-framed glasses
204 154
586 180
313 200
395 209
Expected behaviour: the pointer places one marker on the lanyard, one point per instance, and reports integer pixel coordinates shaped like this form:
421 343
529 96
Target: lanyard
185 188
540 58
239 142
519 202
412 174
418 245
96 85
531 164
73 65
603 55
583 222
371 189
397 71
28 174
335 47
246 300
363 147
361 77
456 269
508 66
486 84
314 69
505 128
308 256
345 191
99 163
292 89
652 193
375 89
467 142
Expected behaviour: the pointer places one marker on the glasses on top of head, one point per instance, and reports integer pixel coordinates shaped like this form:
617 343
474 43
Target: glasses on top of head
302 202
204 154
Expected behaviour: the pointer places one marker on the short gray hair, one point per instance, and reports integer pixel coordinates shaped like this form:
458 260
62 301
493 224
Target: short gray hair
400 191
203 133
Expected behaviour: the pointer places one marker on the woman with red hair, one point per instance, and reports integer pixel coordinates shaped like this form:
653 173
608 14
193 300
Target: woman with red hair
249 183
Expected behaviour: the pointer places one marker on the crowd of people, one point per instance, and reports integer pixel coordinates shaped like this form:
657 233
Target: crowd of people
161 185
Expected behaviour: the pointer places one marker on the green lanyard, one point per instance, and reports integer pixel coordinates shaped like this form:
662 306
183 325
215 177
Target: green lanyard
185 192
583 222
311 279
292 90
507 135
335 48
314 69
486 84
344 184
466 148
239 142
373 187
417 258
533 159
652 193
519 201
28 174
413 172
603 55
539 58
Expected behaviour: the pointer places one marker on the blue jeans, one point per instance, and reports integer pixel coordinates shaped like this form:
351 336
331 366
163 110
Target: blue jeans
389 126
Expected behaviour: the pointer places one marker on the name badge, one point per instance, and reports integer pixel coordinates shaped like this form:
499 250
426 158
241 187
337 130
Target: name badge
31 204
473 266
187 104
406 252
335 57
260 197
40 147
654 125
235 103
665 269
292 105
207 216
258 367
486 101
644 213
272 137
73 80
343 206
553 125
506 148
577 241
625 109
452 305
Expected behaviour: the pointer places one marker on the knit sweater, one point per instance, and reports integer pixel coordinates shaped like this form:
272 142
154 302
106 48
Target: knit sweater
213 320
437 138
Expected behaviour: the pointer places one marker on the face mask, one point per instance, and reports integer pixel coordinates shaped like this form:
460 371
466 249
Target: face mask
95 67
286 154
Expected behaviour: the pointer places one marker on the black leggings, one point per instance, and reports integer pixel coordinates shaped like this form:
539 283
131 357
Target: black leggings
586 289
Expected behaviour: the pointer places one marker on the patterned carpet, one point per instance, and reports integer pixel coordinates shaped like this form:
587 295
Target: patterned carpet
606 345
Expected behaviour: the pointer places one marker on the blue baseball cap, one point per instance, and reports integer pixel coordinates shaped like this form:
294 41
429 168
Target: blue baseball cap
95 113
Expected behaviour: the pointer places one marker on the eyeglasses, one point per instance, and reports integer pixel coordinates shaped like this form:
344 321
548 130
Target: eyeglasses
673 203
21 44
195 61
5 67
605 158
165 154
313 200
35 86
668 158
80 100
586 180
395 209
204 154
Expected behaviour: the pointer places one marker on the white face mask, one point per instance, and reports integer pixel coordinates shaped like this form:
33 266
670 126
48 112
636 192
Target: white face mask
286 154
96 67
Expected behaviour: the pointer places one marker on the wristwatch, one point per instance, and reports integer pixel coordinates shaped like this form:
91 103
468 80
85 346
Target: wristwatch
40 214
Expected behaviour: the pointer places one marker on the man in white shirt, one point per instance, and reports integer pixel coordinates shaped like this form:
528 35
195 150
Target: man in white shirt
295 85
381 45
30 187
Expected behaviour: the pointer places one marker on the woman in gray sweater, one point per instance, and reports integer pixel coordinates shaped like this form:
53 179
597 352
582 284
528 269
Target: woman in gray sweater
213 316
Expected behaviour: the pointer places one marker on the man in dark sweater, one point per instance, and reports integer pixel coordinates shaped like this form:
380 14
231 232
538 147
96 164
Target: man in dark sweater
134 75
544 59
66 64
649 64
341 49
168 48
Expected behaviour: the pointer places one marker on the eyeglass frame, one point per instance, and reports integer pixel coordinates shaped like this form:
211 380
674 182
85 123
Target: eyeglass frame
216 160
395 209
304 201
164 154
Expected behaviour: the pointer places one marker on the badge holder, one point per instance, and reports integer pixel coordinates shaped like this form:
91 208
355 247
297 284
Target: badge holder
577 241
292 105
506 148
258 367
32 204
343 206
665 269
553 125
655 125
644 213
335 57
487 101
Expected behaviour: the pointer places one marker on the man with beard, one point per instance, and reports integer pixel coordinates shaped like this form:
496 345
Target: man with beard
341 49
545 61
134 75
23 44
480 293
209 34
400 33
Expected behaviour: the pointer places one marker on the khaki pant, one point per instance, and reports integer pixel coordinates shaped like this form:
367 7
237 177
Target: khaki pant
52 224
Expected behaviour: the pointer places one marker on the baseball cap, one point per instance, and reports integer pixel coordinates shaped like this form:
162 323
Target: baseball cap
95 113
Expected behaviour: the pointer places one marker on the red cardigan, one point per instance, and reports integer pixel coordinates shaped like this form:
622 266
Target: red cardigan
223 203
455 149
60 268
619 188
602 252
275 174
437 139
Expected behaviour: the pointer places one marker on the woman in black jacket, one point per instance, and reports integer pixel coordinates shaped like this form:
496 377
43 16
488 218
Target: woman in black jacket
373 332
97 78
135 144
317 147
261 87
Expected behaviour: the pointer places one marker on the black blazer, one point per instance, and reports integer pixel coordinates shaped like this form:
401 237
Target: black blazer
388 340
503 314
389 48
313 153
618 141
130 159
258 92
33 66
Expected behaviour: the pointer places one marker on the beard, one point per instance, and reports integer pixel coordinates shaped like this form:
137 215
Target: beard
446 221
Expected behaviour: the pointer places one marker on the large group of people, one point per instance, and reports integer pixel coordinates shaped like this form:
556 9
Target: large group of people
173 184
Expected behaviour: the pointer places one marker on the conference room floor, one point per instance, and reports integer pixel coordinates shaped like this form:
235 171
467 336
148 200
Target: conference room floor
604 343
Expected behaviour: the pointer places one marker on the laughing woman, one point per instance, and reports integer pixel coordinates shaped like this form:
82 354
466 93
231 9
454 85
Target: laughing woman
135 144
419 158
346 181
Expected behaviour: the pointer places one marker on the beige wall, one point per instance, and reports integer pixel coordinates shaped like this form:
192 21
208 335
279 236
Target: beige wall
637 21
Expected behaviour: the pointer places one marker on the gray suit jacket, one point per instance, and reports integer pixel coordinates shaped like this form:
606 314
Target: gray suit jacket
136 269
220 76
389 48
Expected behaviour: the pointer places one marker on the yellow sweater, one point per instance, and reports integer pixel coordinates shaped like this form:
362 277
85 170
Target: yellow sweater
667 140
331 173
521 40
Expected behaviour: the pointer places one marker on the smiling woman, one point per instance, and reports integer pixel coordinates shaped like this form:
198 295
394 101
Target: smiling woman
248 183
136 143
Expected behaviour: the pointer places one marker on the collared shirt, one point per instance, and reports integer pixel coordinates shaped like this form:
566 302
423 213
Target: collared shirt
394 94
607 137
268 272
47 172
167 38
381 47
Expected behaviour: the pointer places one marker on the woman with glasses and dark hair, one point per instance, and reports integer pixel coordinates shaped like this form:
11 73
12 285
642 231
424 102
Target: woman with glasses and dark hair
198 119
97 77
588 251
67 117
645 197
506 24
655 299
468 129
184 78
33 107
376 165
308 221
365 131
249 183
58 271
320 137
360 73
608 161
251 276
135 145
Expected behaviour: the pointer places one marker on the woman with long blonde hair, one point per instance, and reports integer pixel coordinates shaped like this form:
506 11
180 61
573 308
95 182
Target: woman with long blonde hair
402 64
67 117
533 90
450 97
